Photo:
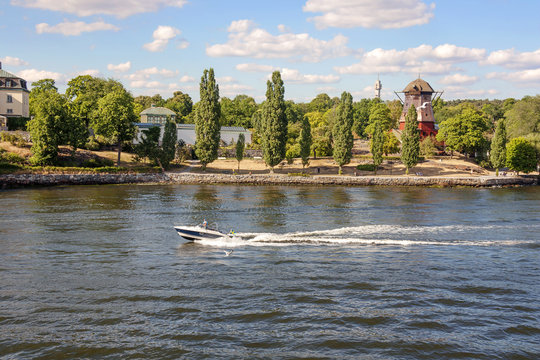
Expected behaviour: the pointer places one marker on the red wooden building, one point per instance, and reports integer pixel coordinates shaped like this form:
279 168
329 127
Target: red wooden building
418 94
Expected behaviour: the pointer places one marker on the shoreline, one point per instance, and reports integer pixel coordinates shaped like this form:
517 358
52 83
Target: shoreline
30 180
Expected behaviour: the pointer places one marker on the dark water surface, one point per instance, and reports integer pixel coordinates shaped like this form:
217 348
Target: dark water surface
316 272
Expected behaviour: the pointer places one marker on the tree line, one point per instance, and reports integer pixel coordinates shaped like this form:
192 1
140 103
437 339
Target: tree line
282 128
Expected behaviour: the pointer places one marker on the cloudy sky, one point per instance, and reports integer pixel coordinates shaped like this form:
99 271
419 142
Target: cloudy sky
469 49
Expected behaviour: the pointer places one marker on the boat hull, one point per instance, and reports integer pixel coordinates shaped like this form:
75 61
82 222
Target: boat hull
192 233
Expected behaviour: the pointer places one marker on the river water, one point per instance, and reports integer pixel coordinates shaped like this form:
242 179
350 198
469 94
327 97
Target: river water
316 272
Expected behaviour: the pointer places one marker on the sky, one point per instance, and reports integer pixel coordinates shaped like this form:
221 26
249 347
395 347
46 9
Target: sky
469 49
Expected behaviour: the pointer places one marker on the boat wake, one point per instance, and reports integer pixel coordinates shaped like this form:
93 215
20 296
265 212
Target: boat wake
452 235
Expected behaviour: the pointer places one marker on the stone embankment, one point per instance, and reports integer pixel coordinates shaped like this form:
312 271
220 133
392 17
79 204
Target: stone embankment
18 180
478 181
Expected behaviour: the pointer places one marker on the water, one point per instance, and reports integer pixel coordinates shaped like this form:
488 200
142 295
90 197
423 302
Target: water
316 272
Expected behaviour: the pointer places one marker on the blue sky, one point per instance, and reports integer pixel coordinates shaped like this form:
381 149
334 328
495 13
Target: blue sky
468 49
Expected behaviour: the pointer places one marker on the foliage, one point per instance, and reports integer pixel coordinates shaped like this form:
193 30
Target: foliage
321 103
391 143
39 87
274 122
207 126
83 93
299 174
524 117
305 141
14 139
238 112
181 104
342 131
427 147
362 109
322 141
379 113
97 163
377 144
168 144
114 117
521 155
465 131
410 140
240 146
366 167
49 127
294 112
396 108
497 154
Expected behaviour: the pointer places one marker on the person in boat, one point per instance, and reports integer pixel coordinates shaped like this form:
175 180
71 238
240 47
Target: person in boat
204 224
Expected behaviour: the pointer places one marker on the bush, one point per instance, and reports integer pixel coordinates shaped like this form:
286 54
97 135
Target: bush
13 158
92 144
98 162
299 174
366 167
428 147
13 139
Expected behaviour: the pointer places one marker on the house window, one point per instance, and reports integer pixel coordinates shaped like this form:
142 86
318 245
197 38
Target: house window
9 99
10 111
8 83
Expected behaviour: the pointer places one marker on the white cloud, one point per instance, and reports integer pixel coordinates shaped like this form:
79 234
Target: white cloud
118 8
91 72
162 35
457 92
226 79
382 14
232 89
146 84
32 75
524 76
122 67
75 28
510 58
13 61
246 40
294 76
146 74
255 68
458 79
187 79
182 45
423 59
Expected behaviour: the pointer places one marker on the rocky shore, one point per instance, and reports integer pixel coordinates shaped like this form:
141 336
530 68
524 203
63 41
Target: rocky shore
22 180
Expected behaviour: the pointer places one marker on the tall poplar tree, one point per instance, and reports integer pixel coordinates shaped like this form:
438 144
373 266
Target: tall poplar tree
207 127
410 139
274 122
240 146
377 144
305 141
170 136
497 154
342 131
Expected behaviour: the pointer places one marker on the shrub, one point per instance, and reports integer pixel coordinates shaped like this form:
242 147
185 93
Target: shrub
13 158
98 162
92 144
13 139
299 174
366 167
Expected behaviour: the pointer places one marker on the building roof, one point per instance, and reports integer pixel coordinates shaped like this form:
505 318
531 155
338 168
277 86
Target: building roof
158 110
418 85
5 74
192 127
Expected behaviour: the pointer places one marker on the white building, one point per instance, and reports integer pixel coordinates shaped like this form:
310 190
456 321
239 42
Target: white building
14 100
186 132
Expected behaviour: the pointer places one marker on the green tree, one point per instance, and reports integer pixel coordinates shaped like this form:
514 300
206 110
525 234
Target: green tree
521 155
168 144
305 142
428 147
274 122
322 103
523 119
181 104
207 126
39 87
395 107
465 131
377 144
379 113
115 117
342 131
49 127
361 117
498 147
240 146
391 143
148 147
410 140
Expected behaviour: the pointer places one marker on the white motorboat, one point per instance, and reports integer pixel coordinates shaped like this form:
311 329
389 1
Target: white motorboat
199 232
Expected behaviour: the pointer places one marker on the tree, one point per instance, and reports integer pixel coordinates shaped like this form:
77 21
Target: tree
240 146
410 140
49 127
148 147
521 155
498 147
168 145
391 143
274 122
39 87
115 117
427 147
377 144
396 108
342 131
181 104
361 117
207 128
305 141
379 113
523 118
465 131
322 103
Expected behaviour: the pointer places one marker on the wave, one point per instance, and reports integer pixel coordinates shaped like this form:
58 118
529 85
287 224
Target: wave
451 235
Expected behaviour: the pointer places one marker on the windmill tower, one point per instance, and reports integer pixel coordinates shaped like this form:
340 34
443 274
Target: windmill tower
378 87
418 94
